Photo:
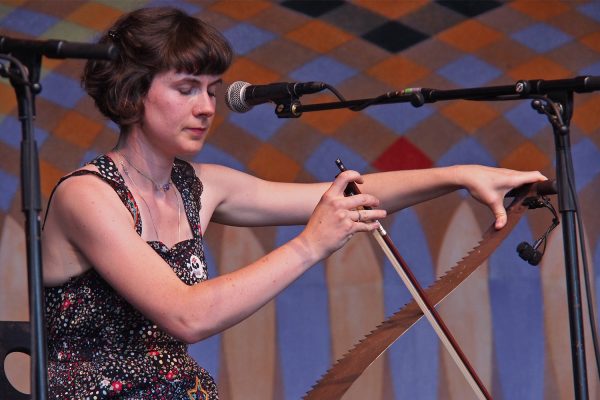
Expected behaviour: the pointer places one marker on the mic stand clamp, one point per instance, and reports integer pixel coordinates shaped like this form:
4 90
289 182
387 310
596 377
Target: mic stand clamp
288 108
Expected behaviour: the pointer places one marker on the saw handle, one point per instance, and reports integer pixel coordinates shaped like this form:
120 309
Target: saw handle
543 188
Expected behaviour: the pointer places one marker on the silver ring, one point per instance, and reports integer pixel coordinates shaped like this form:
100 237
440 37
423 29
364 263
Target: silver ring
358 220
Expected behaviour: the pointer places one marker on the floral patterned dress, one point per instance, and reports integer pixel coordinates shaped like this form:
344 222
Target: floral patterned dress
99 346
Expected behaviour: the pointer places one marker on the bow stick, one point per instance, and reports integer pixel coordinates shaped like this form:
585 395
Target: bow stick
417 292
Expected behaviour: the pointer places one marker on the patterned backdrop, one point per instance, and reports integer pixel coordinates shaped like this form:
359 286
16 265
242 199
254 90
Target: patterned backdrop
510 317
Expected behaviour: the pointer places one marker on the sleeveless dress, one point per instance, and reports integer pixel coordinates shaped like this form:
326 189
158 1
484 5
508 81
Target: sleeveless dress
99 346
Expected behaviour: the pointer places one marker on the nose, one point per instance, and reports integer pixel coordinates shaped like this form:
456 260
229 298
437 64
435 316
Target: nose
204 106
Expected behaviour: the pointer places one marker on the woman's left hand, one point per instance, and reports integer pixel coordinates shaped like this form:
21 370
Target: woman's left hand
489 185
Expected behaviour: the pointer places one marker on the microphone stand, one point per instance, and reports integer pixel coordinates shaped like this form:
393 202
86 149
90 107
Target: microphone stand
551 97
24 72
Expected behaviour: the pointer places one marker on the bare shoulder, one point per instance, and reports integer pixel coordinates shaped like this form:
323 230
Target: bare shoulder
219 173
79 204
82 192
222 181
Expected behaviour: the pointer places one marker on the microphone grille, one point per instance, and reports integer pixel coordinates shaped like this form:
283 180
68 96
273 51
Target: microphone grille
234 98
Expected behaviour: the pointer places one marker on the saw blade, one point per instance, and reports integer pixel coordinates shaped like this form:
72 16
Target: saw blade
338 379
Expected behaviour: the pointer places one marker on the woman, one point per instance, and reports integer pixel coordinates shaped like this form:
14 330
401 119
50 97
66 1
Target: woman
124 266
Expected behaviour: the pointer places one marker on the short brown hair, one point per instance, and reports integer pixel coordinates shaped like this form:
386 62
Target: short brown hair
151 41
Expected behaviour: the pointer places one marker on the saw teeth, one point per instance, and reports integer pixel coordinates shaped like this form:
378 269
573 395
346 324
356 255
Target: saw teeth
462 271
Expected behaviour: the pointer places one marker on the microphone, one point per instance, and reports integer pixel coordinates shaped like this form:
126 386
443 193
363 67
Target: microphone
530 253
526 251
241 96
58 48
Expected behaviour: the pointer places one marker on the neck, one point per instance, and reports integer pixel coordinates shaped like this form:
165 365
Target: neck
149 168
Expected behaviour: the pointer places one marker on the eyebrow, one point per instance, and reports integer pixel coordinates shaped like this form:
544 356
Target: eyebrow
195 80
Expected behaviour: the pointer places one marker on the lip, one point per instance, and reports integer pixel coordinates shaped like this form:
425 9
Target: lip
197 131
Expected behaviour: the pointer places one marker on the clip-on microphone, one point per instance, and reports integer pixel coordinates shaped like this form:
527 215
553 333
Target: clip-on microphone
526 251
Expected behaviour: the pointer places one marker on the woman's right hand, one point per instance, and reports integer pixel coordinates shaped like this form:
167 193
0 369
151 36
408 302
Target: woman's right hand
337 217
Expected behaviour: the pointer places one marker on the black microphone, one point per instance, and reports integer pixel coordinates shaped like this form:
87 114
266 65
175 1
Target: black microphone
526 251
530 253
58 48
241 96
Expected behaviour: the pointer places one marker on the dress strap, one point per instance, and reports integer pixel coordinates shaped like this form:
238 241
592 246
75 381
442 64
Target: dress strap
189 185
106 172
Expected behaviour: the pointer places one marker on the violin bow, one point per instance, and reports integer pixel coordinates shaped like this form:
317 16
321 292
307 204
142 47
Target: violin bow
346 371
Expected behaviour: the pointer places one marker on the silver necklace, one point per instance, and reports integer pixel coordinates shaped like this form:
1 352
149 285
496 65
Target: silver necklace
156 185
126 172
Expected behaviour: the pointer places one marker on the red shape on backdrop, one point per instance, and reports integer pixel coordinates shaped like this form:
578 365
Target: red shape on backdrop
402 155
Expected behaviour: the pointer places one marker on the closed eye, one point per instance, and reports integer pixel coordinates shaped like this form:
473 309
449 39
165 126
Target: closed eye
187 90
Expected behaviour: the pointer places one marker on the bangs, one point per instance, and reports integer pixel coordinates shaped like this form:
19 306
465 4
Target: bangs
197 49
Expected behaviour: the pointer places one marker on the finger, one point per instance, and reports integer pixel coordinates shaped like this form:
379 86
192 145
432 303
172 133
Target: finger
358 201
367 216
366 226
523 178
500 214
530 176
341 181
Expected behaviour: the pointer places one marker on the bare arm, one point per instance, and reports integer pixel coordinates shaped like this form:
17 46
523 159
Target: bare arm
92 219
397 190
249 201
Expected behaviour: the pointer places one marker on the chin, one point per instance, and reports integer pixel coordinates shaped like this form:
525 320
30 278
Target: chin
191 149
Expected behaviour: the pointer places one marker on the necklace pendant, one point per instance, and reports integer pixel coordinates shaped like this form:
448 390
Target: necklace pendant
166 186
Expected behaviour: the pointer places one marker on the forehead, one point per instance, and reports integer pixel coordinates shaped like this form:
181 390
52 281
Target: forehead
175 77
